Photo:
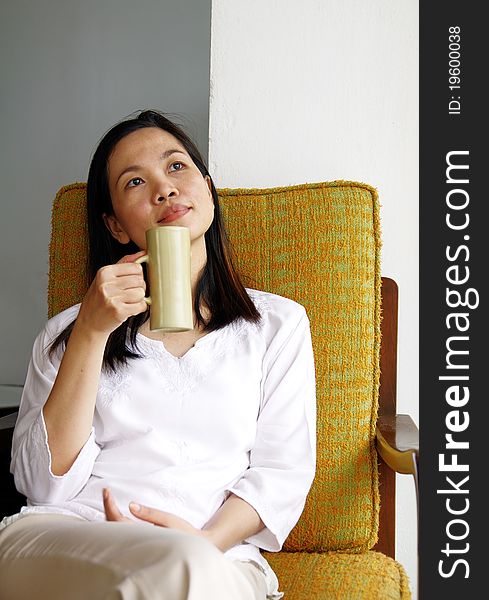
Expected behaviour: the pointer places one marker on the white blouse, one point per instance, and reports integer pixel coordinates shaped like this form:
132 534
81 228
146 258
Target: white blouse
236 413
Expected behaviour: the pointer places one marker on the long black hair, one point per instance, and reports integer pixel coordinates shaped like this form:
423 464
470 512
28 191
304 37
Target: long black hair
219 287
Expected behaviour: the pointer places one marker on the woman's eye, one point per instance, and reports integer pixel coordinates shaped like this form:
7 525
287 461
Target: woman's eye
134 182
178 166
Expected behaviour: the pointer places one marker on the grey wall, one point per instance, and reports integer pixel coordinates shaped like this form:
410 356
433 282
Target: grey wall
69 70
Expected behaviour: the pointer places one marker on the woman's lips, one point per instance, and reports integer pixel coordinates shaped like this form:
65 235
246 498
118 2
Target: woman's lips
175 214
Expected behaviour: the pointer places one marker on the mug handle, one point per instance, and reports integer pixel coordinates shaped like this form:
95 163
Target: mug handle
139 261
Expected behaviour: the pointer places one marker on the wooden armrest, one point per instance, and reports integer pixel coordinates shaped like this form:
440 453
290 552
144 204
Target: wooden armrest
397 441
8 421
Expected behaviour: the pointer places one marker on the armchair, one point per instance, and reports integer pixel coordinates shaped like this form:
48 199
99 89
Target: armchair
318 244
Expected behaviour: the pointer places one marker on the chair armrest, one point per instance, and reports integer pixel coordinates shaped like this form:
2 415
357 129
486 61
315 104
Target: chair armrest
397 441
8 421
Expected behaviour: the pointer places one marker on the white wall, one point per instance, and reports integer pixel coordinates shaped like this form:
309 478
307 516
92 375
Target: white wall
318 90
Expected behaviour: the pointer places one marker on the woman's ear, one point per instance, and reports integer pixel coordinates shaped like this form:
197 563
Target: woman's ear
115 229
209 185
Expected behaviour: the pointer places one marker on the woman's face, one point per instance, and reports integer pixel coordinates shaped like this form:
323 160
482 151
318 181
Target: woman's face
153 182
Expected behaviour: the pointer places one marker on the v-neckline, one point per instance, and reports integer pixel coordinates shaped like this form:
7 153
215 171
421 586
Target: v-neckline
160 345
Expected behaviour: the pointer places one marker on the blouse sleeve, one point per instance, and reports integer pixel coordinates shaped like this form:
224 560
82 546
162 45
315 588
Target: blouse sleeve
31 458
283 459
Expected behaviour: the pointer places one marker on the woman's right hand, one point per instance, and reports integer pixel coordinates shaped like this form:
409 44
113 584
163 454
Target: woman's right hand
116 293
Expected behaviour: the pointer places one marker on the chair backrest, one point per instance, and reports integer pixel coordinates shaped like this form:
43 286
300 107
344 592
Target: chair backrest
318 244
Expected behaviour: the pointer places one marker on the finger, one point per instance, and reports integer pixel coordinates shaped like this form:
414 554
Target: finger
111 273
152 515
132 296
132 282
127 269
138 307
112 513
118 289
126 282
130 258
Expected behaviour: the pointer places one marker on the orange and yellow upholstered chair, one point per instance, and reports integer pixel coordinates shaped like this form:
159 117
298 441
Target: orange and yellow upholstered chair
318 244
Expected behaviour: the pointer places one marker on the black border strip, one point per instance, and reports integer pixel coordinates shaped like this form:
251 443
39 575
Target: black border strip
453 394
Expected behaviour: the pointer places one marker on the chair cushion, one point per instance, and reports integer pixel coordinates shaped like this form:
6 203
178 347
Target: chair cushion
68 249
318 244
339 576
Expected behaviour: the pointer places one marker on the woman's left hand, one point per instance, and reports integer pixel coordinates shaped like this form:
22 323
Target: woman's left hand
145 513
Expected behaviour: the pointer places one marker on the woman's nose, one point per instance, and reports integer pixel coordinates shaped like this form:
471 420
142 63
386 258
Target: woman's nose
164 190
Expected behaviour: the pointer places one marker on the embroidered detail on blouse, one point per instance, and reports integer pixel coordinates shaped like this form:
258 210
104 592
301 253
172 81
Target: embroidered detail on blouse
182 375
260 300
171 493
113 386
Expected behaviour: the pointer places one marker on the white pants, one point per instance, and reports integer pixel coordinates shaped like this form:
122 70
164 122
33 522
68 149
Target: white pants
57 557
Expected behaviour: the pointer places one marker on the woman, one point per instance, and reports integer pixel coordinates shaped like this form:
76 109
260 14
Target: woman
157 465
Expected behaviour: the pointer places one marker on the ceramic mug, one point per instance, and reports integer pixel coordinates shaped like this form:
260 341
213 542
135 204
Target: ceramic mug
168 259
